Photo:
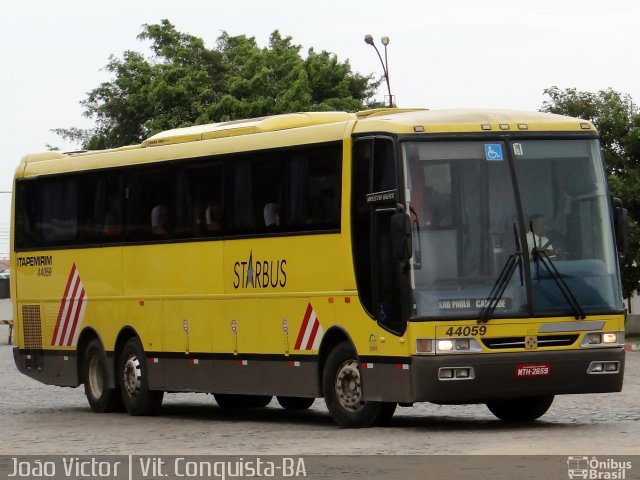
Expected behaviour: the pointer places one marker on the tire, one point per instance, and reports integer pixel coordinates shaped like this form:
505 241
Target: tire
295 403
134 381
94 375
524 409
235 401
386 412
342 386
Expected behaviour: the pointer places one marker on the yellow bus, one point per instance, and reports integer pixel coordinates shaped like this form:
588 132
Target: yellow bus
375 259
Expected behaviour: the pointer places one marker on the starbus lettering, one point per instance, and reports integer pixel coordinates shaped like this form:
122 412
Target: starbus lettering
40 261
260 273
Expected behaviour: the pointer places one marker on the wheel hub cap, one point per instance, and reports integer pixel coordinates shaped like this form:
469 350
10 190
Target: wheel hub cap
132 376
349 386
96 382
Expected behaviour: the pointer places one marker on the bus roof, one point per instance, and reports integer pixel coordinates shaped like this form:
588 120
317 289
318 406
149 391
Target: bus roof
393 120
299 128
467 121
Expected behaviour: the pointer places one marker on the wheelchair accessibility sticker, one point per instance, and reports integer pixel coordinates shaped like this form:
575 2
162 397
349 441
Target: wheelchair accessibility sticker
493 151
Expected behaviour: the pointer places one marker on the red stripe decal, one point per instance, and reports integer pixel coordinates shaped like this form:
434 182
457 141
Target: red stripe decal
74 325
62 302
314 332
71 302
303 328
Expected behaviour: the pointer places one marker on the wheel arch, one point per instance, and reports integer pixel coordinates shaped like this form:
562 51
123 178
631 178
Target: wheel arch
334 336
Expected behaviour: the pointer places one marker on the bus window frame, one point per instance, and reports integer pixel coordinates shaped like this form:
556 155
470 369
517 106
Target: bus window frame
183 164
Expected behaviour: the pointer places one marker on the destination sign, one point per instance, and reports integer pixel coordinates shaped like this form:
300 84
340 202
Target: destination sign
471 303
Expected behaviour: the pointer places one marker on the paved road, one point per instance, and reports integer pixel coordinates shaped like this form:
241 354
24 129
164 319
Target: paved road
40 419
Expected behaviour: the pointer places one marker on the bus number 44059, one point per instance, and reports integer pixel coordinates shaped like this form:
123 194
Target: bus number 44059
466 331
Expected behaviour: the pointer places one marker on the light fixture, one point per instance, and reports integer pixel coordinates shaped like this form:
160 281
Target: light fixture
368 39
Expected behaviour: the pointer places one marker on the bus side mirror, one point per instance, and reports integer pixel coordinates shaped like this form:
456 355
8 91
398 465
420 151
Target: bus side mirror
401 243
621 226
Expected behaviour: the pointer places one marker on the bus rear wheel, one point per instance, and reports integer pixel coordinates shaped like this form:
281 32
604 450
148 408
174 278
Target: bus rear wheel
231 400
524 409
134 381
101 398
343 393
295 403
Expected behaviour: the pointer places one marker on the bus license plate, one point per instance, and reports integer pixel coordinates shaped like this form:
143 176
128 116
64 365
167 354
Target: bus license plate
533 370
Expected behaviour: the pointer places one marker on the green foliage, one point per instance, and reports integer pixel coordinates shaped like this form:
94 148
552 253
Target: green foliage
185 83
618 122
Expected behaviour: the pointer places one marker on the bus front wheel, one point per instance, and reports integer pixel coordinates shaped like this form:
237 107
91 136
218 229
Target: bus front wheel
101 398
134 381
343 393
524 409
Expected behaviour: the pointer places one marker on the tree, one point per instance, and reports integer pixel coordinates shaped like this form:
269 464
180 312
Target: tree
617 119
185 83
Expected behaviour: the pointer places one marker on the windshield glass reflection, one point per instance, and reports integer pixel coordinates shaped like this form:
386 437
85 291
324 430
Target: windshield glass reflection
462 203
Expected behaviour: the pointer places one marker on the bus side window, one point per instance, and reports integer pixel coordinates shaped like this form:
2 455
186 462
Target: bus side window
26 217
107 207
258 180
60 209
313 193
203 201
149 188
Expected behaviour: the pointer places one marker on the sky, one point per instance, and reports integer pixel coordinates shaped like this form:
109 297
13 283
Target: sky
442 54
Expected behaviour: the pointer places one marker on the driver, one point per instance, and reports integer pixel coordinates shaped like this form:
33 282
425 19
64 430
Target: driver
536 237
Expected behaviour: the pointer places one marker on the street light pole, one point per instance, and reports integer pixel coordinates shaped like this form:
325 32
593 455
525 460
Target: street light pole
368 39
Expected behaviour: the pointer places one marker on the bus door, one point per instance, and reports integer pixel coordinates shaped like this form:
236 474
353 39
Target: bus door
382 278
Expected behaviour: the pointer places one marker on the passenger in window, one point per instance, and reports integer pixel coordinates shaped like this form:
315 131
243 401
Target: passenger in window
272 215
197 217
214 216
160 221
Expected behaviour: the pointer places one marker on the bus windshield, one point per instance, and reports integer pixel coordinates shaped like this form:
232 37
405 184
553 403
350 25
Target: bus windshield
564 201
467 223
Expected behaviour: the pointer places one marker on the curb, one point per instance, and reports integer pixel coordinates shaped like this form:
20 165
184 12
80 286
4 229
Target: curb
631 347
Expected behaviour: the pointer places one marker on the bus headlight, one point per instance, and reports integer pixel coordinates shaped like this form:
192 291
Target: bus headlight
594 338
458 345
602 339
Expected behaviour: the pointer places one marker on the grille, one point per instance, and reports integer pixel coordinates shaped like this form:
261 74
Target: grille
31 327
518 342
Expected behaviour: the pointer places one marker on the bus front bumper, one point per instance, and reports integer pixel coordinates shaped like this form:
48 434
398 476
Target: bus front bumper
478 378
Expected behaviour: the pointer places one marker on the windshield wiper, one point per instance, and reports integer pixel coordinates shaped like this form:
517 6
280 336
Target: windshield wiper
501 283
539 256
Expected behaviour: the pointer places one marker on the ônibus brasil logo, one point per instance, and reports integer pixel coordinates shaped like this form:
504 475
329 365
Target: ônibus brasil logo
597 469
